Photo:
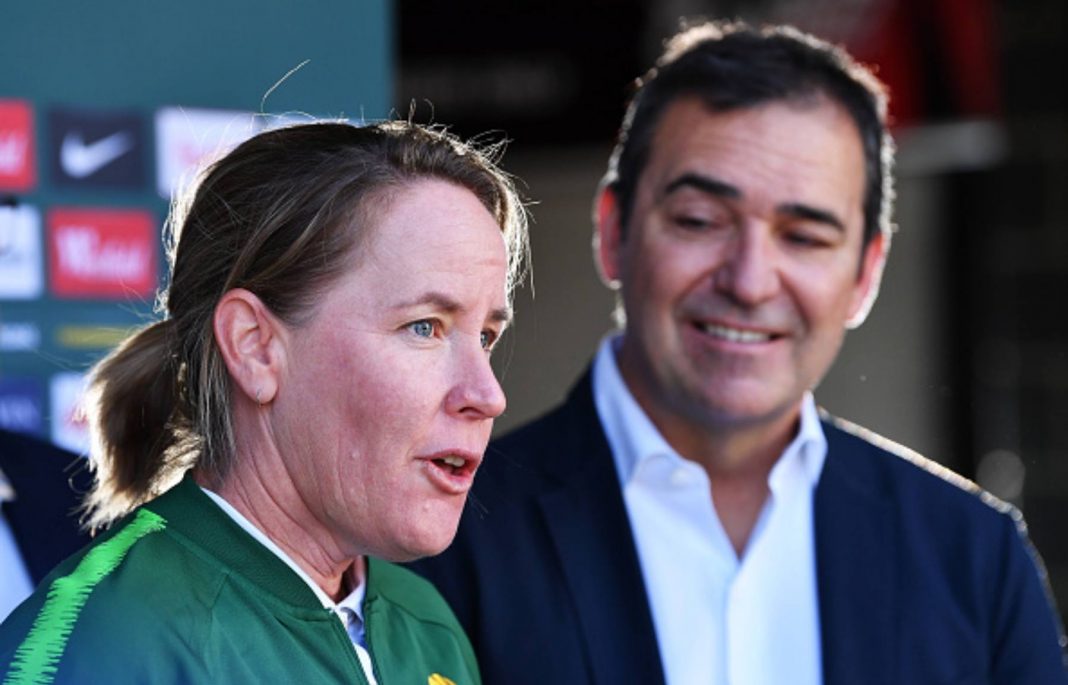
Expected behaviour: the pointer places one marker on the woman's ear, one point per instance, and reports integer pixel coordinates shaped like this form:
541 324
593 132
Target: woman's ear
251 342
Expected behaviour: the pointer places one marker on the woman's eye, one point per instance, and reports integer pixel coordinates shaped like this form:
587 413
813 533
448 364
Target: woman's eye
422 328
487 339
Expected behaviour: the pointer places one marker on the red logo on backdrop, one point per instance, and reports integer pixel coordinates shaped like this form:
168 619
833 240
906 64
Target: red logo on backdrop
101 253
17 168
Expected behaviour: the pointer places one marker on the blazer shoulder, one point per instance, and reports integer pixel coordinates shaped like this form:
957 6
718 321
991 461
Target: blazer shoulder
968 578
902 472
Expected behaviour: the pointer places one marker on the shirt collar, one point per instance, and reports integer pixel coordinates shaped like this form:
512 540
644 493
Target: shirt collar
808 449
634 439
631 434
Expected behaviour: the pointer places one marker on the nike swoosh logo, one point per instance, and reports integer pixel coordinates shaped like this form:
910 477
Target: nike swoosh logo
80 160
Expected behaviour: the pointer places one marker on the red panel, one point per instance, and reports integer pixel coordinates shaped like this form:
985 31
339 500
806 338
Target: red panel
17 162
94 253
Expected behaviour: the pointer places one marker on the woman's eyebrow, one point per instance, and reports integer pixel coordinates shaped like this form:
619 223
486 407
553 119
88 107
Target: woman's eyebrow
437 300
450 305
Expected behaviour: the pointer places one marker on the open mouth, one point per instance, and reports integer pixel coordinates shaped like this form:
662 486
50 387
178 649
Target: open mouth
453 465
452 472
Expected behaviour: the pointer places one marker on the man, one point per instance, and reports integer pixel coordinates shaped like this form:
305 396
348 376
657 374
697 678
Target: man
40 486
688 515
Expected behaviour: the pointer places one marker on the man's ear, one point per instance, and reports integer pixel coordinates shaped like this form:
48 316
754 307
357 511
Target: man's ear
608 238
250 340
870 277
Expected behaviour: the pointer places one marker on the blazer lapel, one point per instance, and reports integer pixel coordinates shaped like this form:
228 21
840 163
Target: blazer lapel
588 523
856 567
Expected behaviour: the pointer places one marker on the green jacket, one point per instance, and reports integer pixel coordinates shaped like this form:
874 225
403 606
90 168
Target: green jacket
178 593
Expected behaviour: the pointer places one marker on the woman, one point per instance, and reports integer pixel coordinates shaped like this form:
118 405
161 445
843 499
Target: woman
317 399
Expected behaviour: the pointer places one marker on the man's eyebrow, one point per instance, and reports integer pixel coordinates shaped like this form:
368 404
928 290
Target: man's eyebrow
808 213
718 188
705 184
442 302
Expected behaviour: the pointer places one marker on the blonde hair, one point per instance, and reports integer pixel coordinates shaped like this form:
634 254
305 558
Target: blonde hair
278 216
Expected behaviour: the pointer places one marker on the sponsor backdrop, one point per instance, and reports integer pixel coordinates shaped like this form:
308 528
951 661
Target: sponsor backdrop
108 108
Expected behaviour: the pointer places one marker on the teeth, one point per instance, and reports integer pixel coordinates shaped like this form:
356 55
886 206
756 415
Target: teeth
456 462
735 335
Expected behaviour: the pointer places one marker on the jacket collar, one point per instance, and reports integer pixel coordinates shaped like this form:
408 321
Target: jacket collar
591 535
855 552
190 514
856 548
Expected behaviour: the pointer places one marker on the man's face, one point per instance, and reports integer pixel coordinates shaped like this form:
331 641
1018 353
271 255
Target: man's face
742 265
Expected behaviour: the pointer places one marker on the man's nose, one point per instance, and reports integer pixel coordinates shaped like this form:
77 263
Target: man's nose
749 272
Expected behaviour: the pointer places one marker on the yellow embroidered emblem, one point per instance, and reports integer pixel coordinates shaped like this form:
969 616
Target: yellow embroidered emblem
438 679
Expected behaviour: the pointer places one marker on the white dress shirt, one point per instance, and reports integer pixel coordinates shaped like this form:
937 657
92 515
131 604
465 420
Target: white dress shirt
15 582
719 620
349 610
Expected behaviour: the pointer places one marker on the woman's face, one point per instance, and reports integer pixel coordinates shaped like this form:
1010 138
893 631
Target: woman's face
386 403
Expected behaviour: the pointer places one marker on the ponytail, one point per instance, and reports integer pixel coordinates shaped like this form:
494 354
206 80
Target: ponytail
135 425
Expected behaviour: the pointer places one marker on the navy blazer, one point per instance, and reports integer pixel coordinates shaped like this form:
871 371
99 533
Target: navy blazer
922 578
48 483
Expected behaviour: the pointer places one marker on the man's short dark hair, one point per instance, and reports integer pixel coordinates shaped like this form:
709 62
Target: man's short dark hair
731 66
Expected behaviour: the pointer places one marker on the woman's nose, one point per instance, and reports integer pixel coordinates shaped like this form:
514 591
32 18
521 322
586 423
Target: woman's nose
476 393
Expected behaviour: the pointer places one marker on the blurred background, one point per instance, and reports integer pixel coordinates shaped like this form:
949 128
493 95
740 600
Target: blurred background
105 108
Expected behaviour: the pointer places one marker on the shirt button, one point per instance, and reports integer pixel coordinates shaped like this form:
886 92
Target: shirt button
681 477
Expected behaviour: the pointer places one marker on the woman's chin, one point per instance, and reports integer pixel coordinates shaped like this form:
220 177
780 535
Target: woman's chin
425 542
